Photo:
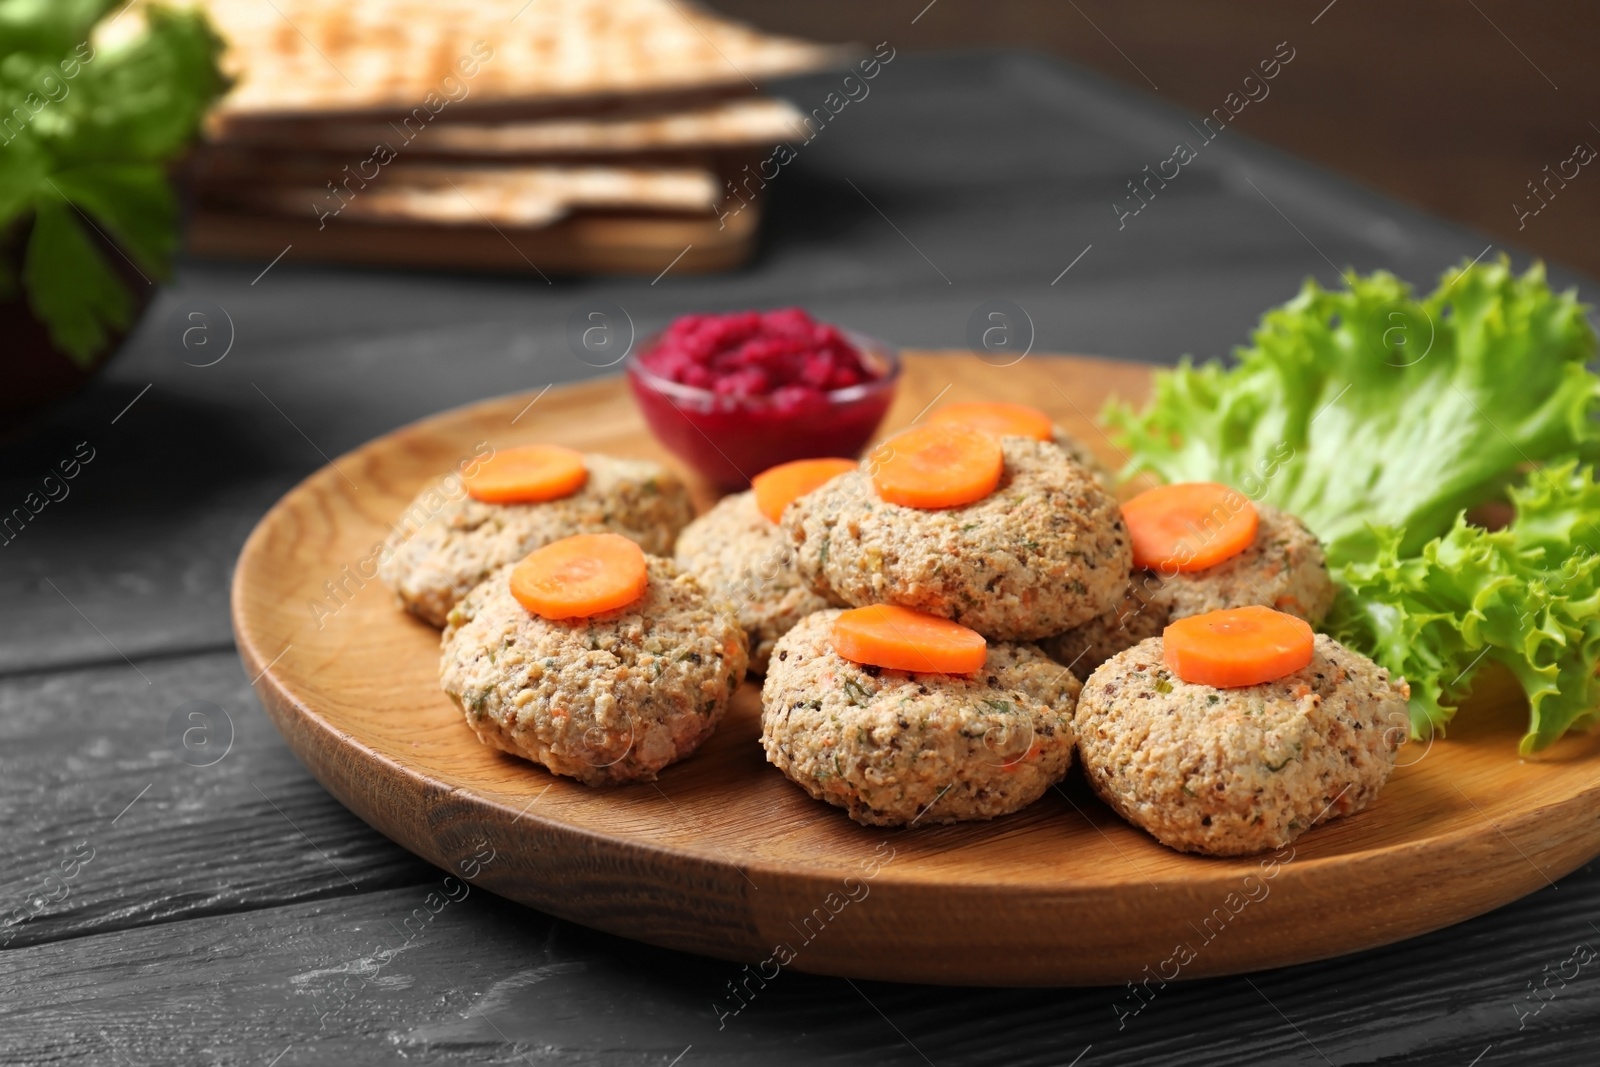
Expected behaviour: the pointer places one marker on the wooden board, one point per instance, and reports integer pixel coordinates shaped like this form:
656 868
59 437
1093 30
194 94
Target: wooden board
723 856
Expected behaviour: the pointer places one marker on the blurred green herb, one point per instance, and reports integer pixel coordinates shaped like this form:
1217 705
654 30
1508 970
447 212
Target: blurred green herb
87 133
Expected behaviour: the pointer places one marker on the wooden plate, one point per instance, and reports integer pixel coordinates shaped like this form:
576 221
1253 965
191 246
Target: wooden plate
724 856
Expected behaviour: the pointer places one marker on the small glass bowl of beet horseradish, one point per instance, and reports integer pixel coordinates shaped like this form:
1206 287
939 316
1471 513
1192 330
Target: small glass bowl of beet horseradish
732 395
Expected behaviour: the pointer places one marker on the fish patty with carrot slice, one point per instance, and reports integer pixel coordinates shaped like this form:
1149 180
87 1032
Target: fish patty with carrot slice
1282 568
896 748
1046 550
1229 772
447 541
743 559
609 698
1019 420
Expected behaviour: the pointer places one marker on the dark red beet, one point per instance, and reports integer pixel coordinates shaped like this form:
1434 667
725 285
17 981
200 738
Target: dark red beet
753 353
770 391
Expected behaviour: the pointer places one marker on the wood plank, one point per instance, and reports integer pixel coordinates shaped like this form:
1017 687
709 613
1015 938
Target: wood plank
108 827
484 981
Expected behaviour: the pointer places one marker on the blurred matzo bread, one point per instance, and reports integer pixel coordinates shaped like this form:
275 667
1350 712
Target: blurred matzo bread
473 196
730 124
331 56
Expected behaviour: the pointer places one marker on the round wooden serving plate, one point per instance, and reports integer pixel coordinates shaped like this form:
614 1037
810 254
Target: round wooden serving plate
723 856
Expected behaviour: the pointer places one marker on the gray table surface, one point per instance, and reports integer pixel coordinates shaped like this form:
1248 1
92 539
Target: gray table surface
235 913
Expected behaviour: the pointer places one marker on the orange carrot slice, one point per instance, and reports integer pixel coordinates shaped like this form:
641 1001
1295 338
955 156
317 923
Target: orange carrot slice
937 466
777 486
581 575
528 474
885 635
1237 647
1189 526
998 418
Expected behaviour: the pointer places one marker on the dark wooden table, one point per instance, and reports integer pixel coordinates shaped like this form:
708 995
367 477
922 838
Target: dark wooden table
163 906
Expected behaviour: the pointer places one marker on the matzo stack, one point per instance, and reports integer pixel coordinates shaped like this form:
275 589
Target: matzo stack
325 56
730 124
501 196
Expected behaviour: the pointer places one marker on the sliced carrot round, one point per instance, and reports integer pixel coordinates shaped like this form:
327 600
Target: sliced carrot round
1189 526
1237 647
998 418
528 474
581 575
777 486
938 466
885 635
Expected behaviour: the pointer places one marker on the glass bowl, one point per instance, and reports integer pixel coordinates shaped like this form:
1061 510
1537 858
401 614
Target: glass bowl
726 439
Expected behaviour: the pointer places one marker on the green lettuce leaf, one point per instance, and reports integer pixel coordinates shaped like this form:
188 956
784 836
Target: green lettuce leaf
1381 419
1366 407
1526 597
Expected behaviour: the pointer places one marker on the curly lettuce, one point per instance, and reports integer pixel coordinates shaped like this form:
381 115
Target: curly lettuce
1381 420
1365 405
1526 597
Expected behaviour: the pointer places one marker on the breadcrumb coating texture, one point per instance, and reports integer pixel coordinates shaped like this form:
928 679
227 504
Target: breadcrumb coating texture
446 542
1234 771
1046 551
895 748
608 699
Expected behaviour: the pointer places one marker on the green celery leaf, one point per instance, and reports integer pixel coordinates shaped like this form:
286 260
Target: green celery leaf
93 128
22 171
48 26
70 287
144 100
1366 406
1526 596
131 200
